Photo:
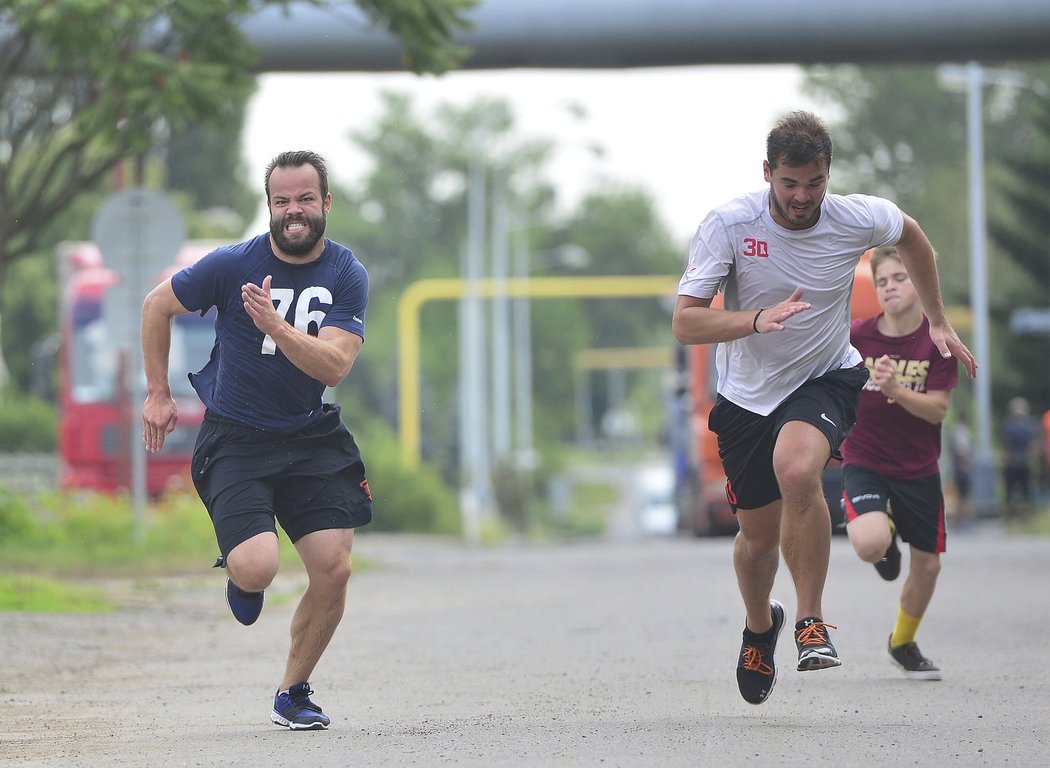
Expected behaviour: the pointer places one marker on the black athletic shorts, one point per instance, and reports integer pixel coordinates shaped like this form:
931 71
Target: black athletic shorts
746 439
916 506
250 479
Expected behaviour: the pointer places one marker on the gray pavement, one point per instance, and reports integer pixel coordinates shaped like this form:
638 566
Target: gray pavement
615 653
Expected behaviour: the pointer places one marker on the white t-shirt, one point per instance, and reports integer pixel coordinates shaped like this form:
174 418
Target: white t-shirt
740 250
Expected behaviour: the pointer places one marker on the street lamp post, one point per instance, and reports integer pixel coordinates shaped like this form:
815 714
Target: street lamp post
983 478
475 492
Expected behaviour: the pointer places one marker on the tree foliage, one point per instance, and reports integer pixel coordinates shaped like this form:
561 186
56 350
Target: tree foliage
1020 228
426 29
87 84
407 221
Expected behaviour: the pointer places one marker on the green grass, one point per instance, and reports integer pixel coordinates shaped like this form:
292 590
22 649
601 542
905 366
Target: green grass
42 595
589 509
50 541
85 534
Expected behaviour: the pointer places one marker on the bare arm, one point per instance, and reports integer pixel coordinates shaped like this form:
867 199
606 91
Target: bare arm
918 259
159 412
695 322
328 357
931 406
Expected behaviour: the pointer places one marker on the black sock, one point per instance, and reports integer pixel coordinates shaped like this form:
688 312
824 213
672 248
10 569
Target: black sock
759 637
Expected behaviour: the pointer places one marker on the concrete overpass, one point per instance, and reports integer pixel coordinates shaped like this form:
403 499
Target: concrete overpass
609 34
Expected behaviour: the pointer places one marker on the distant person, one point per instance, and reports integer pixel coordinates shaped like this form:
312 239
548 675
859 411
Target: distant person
788 378
960 441
291 320
1020 433
891 480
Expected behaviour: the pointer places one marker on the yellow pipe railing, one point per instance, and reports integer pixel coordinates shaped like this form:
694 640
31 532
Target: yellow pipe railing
437 289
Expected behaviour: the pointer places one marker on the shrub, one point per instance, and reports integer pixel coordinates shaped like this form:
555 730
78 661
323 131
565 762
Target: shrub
27 425
415 501
17 521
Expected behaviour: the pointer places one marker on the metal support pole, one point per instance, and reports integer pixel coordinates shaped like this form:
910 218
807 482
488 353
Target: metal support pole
984 473
473 455
500 333
523 357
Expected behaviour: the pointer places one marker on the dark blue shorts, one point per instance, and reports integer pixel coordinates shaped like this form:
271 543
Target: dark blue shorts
746 439
250 479
916 506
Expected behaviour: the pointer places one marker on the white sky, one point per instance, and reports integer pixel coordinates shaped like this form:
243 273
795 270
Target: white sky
692 136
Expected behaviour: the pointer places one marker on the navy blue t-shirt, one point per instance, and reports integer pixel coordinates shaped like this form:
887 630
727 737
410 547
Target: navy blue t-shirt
248 379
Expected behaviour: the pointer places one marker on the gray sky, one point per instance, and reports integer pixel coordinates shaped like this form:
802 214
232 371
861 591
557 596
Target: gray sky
693 136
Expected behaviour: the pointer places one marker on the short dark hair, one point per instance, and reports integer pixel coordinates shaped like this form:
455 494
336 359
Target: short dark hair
798 139
294 159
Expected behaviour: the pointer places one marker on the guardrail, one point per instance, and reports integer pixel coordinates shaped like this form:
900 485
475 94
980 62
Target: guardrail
26 472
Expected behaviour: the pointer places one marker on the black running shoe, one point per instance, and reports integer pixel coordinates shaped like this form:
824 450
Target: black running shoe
915 665
756 669
815 650
294 710
889 567
246 606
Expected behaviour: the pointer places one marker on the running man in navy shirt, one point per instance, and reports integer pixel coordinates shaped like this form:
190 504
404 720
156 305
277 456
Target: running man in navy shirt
290 322
892 484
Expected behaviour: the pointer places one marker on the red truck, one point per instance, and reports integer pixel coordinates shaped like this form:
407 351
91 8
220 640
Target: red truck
97 416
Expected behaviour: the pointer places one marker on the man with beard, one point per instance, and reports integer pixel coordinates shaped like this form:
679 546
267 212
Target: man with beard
290 321
788 378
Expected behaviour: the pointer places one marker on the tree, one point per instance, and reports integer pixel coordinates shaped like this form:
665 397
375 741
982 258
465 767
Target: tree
407 220
1020 226
88 84
203 162
622 234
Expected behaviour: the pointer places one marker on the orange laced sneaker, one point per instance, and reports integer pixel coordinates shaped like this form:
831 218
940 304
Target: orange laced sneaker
756 669
815 650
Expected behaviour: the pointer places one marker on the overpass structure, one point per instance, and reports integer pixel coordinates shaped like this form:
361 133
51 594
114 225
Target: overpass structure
610 34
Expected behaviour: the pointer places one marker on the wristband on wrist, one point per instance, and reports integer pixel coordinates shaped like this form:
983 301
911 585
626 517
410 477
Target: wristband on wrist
754 323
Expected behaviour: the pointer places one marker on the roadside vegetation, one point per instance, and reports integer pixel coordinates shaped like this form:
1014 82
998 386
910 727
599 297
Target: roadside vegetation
59 550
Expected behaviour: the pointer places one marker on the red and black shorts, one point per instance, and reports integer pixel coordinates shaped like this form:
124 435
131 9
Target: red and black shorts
916 506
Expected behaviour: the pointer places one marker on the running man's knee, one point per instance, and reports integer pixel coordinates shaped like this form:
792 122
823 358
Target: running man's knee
798 463
253 564
335 573
252 576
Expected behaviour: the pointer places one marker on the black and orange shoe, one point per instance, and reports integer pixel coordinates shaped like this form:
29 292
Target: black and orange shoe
815 650
756 669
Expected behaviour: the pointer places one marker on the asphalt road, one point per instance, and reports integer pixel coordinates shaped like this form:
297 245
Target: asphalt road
615 653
